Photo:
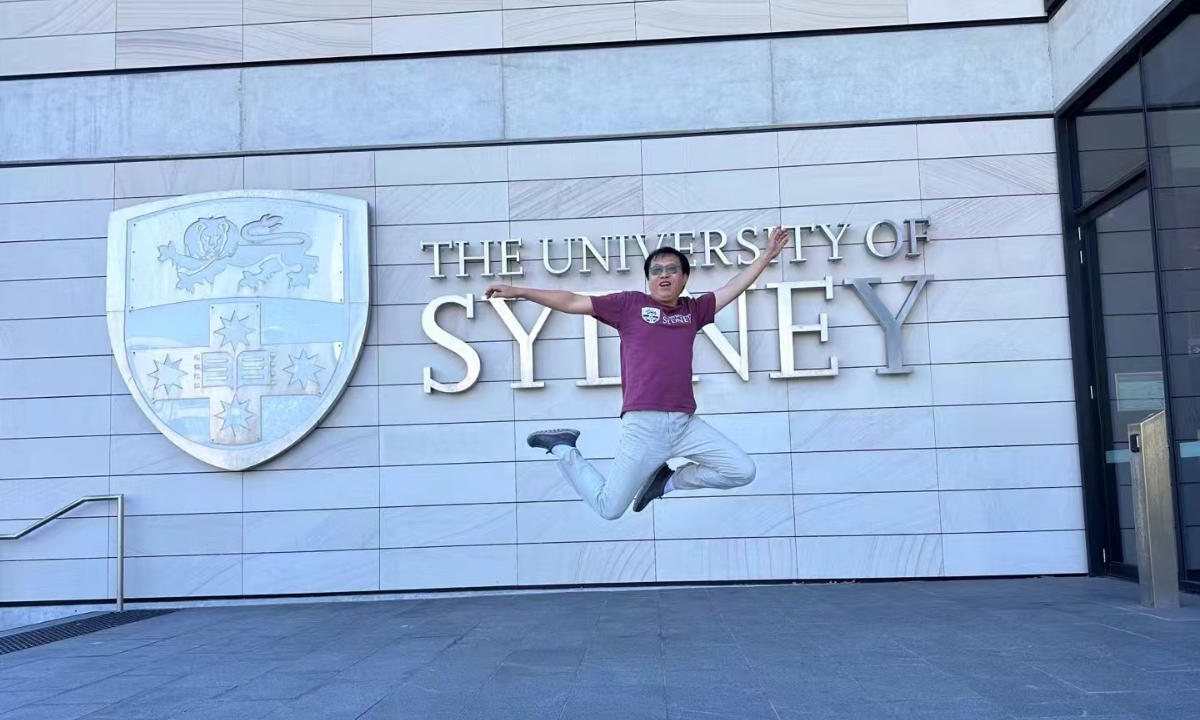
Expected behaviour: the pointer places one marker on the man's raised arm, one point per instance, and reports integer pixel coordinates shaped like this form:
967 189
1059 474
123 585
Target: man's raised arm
560 300
730 291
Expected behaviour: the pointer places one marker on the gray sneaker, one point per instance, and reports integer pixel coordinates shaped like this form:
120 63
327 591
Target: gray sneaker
549 439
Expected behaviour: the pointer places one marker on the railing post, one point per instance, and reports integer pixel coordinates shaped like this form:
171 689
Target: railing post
1154 511
120 553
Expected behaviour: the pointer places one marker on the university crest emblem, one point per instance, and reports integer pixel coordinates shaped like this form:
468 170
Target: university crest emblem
237 318
651 315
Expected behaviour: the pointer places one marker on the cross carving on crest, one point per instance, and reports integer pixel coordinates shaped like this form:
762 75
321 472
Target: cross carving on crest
236 371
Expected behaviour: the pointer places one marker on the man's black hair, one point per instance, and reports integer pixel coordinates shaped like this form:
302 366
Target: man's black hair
684 265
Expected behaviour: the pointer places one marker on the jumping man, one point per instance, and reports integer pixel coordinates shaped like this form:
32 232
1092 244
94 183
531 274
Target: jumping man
658 420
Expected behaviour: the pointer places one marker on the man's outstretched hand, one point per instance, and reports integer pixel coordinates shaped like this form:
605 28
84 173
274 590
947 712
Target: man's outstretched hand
502 291
776 243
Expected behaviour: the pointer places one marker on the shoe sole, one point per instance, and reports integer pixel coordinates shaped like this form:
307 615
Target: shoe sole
529 438
637 498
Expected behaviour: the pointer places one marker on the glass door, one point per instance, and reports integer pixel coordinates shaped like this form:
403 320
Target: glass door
1129 359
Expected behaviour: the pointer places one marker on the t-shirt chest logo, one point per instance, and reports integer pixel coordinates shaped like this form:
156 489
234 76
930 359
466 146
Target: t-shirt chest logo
654 316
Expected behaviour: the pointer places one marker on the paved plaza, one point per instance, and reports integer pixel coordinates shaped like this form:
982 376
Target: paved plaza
976 649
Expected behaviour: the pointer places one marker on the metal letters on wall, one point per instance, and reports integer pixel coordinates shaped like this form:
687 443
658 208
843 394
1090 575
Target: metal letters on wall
236 318
907 238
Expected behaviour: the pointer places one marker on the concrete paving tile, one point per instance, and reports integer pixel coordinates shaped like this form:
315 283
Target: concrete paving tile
804 691
335 700
1108 676
722 712
59 683
112 690
901 682
1170 704
550 658
945 709
718 699
532 687
608 713
224 672
279 685
1186 678
649 673
232 710
417 703
38 711
514 711
397 661
1022 704
858 710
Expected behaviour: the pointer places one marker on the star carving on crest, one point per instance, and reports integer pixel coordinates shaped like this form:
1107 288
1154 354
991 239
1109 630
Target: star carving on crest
235 331
167 375
304 369
235 415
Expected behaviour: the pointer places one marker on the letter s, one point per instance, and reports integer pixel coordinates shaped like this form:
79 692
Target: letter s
451 343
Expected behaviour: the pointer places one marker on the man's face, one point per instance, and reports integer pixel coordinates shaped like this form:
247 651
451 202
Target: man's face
666 279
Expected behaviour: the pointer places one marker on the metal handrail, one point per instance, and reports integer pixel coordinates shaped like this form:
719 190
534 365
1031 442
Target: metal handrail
120 500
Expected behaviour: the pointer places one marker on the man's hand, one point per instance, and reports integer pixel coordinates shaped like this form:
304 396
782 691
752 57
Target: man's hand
502 291
729 292
776 243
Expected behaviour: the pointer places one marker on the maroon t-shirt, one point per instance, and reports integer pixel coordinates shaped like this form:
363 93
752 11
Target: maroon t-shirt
656 347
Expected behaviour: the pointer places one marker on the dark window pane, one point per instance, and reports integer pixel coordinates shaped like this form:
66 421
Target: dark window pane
1110 147
1125 518
1111 131
1188 484
1179 249
1181 290
1128 294
1191 549
1179 126
1130 251
1172 70
1189 502
1178 208
1099 170
1183 333
1133 214
1177 166
1129 546
1125 93
1111 136
1189 499
1185 418
1131 335
1185 376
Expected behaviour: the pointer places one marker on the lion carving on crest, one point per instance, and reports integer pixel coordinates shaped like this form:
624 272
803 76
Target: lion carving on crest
212 245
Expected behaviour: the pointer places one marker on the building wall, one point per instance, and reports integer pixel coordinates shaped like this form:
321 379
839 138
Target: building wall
690 87
53 36
967 466
1086 34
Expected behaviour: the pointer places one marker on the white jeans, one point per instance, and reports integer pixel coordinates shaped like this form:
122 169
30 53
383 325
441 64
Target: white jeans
648 439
